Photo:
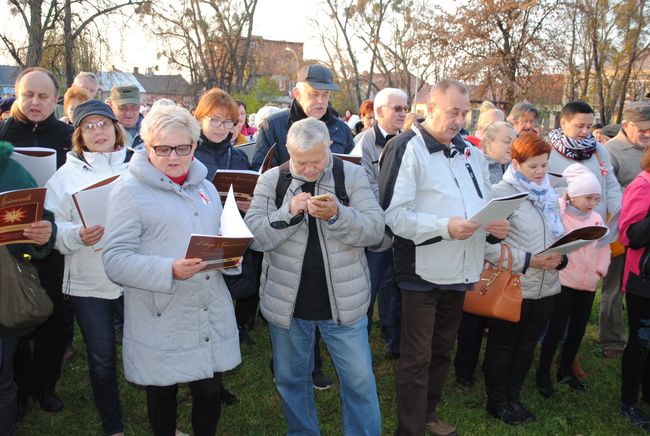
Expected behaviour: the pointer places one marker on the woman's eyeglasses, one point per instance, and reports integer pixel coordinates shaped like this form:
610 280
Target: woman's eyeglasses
218 122
166 150
99 125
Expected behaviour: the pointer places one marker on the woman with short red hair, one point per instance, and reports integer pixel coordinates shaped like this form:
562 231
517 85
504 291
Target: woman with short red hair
534 226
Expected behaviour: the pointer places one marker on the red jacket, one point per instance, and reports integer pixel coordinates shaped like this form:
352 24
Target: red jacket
634 231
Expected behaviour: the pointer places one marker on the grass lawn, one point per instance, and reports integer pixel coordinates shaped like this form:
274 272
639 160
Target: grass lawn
259 411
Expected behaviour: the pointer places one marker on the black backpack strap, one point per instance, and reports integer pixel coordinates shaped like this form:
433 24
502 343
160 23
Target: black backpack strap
339 181
284 180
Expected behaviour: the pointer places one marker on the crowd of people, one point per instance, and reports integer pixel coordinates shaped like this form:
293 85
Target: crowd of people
332 239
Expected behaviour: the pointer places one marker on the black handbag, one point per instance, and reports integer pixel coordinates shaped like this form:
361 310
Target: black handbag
23 301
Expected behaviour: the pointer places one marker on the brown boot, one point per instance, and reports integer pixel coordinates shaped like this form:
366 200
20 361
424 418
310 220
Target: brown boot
439 428
576 370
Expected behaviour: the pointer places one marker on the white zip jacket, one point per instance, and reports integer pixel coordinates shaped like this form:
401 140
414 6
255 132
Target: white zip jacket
84 274
422 184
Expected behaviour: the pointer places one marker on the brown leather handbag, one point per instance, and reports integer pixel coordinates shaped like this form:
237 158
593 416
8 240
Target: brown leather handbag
498 293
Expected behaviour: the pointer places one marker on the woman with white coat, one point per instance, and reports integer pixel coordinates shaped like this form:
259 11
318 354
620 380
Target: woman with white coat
179 322
98 152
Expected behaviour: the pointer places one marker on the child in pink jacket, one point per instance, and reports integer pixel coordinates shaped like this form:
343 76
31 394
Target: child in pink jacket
586 267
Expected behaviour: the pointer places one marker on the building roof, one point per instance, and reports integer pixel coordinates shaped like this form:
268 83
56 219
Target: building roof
146 83
8 74
163 84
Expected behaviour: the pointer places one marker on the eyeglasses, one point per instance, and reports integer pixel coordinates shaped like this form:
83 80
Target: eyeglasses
129 108
101 125
400 109
642 131
301 216
166 150
218 122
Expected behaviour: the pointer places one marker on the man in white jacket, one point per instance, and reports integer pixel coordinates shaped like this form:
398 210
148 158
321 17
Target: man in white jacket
430 181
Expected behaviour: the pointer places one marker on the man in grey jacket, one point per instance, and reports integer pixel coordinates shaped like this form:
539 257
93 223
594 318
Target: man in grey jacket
625 151
315 275
390 107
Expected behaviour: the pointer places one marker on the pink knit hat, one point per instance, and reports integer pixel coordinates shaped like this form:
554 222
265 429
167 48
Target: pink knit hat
581 181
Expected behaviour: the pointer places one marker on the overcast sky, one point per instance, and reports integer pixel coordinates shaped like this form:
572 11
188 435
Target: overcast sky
274 19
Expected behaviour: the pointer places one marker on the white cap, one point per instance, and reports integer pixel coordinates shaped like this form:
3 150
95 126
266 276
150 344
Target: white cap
581 181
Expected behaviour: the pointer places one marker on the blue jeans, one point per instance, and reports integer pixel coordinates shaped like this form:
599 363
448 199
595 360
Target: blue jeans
382 282
293 361
96 320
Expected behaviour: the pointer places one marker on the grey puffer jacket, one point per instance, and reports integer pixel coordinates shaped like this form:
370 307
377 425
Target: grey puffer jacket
175 331
359 225
529 233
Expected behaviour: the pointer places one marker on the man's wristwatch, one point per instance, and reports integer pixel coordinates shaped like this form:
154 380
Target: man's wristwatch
333 218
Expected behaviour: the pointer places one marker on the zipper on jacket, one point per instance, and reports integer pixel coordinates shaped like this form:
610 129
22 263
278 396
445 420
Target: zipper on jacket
541 284
329 268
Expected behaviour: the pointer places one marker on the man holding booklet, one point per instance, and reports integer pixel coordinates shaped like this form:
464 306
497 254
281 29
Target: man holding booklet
315 275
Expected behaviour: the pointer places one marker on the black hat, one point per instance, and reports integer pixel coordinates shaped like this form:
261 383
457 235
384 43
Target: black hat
318 76
610 130
92 107
5 103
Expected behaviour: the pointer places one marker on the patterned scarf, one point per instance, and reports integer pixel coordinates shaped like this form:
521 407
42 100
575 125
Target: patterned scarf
570 148
543 197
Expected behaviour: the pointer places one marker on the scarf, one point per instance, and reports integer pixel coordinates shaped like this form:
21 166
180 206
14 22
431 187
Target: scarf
543 197
570 148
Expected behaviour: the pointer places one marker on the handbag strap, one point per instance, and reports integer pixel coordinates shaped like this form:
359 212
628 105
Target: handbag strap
507 247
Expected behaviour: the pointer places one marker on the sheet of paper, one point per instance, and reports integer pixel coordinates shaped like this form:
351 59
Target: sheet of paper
498 208
38 161
91 201
232 224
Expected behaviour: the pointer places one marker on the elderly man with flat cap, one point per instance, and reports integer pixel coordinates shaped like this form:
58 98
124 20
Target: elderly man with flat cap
625 151
125 102
311 98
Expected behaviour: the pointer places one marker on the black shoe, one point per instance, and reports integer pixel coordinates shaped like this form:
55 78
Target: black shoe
544 384
521 410
321 380
505 413
245 338
466 382
571 380
227 397
636 417
50 402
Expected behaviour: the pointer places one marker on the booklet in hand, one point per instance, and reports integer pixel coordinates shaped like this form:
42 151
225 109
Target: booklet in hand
40 162
348 157
226 249
577 238
18 210
242 181
91 201
498 208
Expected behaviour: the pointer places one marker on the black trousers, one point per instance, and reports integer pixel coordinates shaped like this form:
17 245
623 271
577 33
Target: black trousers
470 338
8 389
571 306
206 407
635 367
39 355
510 350
246 311
429 326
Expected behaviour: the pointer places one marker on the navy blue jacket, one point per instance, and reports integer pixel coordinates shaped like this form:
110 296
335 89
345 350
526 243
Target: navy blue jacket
220 156
275 128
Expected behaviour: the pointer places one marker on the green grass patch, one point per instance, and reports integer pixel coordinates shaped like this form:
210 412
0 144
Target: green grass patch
259 412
